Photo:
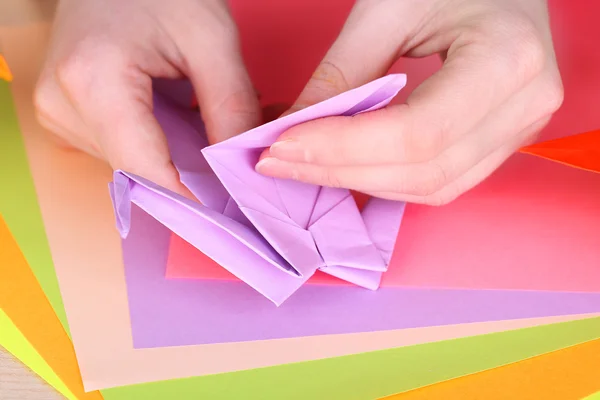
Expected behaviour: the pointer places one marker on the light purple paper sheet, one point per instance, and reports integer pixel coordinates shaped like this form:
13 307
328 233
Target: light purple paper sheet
273 234
187 312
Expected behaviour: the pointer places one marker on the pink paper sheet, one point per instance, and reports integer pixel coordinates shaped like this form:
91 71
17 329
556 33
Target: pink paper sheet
532 226
72 194
543 236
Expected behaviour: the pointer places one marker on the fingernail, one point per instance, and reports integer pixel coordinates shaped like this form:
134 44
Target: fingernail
263 164
278 169
289 150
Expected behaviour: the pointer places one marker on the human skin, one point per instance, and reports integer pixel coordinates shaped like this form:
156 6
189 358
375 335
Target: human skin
95 91
498 87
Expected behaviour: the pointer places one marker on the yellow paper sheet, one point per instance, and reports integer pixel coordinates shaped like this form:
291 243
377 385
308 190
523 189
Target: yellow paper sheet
16 344
23 300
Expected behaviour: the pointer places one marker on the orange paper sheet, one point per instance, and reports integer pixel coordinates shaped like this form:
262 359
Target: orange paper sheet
23 300
580 151
567 374
4 70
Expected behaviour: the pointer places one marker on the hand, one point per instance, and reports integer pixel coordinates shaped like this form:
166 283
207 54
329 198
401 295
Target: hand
95 92
498 87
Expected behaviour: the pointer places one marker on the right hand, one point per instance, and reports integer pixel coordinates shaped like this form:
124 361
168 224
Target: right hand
95 92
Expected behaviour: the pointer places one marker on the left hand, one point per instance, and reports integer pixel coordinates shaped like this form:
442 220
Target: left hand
497 89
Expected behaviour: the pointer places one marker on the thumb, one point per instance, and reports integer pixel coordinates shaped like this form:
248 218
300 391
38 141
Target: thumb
136 143
127 133
365 50
117 110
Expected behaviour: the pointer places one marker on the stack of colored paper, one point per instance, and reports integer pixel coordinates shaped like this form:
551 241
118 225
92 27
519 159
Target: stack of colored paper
272 289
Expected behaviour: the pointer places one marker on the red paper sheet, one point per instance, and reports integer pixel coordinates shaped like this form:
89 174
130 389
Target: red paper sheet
579 151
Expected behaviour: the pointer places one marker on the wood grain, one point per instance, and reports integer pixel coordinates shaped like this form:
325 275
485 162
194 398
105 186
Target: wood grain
17 382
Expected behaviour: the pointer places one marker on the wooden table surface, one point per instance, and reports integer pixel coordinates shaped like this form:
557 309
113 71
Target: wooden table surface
17 382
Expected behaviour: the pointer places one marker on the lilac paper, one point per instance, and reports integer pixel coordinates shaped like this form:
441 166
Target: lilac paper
187 312
273 234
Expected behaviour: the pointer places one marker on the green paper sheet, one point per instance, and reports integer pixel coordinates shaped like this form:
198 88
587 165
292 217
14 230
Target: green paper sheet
363 376
595 396
372 375
16 344
19 205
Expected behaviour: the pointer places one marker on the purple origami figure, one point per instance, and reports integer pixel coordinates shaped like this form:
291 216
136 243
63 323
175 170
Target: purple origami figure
271 233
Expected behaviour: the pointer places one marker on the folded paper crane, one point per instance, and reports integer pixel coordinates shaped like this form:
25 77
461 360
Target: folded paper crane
272 234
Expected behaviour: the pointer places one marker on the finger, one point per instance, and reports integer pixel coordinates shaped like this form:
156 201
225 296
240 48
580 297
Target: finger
55 112
451 190
476 79
474 176
118 111
228 101
360 53
138 145
135 142
425 178
66 139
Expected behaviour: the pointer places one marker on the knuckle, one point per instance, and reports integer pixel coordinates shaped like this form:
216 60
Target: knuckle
534 135
240 101
530 53
438 199
526 55
80 68
552 96
331 179
424 145
428 181
518 43
73 69
419 140
435 176
419 187
44 97
327 80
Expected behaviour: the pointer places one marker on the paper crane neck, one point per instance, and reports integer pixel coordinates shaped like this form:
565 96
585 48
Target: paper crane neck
271 233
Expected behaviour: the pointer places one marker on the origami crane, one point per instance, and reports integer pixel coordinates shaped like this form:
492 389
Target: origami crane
271 233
